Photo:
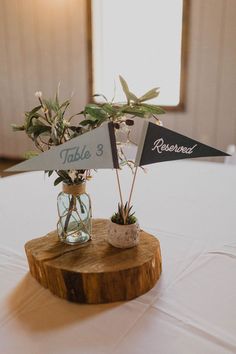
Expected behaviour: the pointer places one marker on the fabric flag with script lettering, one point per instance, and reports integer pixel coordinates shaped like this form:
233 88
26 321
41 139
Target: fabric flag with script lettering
159 144
92 150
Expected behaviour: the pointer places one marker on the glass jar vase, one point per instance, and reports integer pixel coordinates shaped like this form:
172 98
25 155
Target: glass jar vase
74 211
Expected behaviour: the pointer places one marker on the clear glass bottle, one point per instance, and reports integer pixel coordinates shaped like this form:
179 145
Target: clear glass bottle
74 211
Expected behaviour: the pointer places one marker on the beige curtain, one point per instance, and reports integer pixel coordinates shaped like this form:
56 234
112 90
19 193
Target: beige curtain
42 43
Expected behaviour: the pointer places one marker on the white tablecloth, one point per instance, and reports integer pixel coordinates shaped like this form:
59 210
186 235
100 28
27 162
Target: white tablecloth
190 206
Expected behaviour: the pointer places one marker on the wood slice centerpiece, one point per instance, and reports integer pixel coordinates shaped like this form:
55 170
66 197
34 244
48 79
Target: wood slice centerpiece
95 272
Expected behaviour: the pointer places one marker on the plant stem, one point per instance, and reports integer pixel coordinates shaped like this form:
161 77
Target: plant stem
81 205
121 199
71 207
45 114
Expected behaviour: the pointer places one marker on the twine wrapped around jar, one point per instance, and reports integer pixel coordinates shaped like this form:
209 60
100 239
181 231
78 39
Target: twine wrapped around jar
74 189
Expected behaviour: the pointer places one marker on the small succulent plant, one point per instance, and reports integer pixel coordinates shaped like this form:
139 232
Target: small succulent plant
124 216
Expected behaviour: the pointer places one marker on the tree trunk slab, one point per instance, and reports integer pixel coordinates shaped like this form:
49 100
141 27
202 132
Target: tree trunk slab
95 272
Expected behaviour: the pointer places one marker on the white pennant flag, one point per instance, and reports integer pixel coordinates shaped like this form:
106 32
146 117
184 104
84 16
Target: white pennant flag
92 150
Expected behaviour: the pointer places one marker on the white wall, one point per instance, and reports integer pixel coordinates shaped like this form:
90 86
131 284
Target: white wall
210 114
43 42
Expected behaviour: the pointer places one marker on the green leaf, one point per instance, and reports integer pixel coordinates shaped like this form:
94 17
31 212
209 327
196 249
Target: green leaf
31 154
58 180
100 121
35 109
125 87
36 121
136 111
64 104
63 174
47 103
132 97
154 109
129 95
29 116
51 105
57 94
149 95
17 128
92 105
124 84
38 129
95 111
108 108
55 106
88 122
41 131
49 173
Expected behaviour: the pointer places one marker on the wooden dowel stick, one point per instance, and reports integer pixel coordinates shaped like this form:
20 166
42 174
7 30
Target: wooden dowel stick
121 199
131 192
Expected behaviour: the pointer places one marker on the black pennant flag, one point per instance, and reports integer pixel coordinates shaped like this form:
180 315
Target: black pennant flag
159 144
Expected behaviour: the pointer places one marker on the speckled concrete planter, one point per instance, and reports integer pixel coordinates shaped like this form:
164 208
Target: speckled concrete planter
123 236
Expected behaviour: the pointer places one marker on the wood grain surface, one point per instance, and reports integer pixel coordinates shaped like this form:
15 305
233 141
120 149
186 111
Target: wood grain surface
95 272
